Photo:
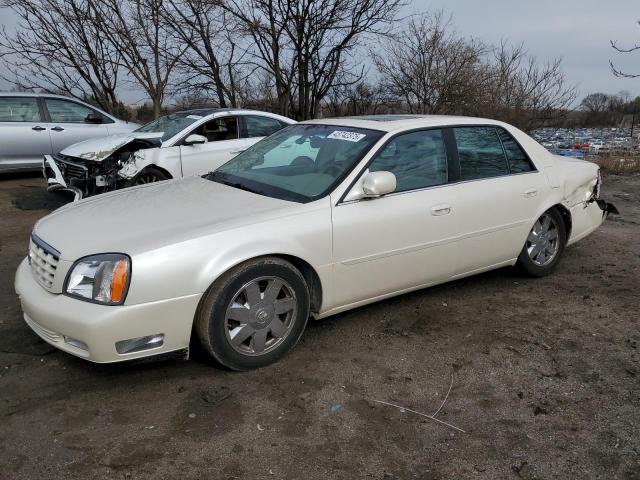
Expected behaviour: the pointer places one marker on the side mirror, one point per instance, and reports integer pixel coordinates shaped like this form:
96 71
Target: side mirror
373 185
195 139
93 118
376 184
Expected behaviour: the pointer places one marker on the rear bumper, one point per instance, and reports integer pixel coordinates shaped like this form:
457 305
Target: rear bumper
90 331
587 217
55 179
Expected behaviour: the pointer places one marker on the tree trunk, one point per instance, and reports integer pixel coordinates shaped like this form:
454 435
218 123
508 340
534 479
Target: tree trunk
157 107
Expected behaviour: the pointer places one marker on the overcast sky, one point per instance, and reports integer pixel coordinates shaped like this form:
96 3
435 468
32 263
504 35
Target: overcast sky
579 31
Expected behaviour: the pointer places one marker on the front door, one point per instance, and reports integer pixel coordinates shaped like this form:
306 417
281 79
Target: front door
223 143
402 240
24 136
68 123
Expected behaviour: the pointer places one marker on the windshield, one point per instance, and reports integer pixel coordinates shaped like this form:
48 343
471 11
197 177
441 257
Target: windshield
170 125
300 163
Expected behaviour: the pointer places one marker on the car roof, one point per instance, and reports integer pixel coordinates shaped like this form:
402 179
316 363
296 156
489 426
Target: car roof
204 112
32 94
391 123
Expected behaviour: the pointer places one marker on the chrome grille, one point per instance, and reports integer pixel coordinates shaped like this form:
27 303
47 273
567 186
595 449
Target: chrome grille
70 169
44 261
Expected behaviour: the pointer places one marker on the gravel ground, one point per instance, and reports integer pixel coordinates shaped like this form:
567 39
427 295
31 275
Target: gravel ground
545 382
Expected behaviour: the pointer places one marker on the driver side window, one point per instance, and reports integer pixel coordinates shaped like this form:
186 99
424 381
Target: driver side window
219 129
65 111
417 159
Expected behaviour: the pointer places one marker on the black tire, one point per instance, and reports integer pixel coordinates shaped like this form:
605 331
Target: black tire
526 263
148 175
211 319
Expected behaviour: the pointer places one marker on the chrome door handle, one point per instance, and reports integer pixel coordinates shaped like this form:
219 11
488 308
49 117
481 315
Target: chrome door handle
57 129
38 128
236 152
532 192
440 210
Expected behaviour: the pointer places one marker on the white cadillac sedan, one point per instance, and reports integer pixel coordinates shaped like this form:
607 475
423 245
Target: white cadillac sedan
321 217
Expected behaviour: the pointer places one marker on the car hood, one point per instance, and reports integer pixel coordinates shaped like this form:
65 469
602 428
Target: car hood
97 149
147 217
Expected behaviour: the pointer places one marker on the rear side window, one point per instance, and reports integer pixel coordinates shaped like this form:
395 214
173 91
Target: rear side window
19 109
261 126
417 159
480 152
64 111
518 160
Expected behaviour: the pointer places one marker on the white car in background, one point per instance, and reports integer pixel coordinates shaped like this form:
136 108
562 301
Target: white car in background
178 145
321 217
37 124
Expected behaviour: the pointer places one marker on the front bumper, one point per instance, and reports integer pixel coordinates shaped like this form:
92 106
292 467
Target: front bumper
55 179
65 322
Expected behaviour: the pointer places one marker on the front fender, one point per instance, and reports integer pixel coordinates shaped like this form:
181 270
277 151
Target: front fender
191 266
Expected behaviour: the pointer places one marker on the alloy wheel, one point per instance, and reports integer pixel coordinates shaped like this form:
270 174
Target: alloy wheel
260 315
147 178
543 241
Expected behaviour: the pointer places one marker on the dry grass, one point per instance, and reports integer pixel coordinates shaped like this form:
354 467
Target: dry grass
621 163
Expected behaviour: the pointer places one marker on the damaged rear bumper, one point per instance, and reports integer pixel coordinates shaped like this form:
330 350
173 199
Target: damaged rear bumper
56 180
607 208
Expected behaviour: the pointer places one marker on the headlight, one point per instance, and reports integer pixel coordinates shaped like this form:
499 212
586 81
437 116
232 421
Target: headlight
100 278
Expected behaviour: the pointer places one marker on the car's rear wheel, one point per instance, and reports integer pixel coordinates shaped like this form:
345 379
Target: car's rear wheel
544 245
254 314
149 175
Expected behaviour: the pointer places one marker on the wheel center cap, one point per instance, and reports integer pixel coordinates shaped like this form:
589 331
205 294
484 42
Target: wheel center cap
262 316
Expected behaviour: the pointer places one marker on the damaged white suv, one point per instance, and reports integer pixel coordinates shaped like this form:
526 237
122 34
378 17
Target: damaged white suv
181 144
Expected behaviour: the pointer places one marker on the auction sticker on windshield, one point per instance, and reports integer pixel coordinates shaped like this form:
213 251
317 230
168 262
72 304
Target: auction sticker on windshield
348 136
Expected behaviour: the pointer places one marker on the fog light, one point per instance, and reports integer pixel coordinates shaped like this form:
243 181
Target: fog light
76 343
139 344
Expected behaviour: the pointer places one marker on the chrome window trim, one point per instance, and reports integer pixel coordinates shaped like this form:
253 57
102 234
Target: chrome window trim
341 200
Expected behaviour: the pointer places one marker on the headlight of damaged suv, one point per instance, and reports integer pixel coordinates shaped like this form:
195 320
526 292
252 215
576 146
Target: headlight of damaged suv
100 278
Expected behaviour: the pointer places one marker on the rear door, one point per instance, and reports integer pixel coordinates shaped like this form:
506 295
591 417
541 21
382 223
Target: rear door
496 198
24 135
223 143
69 123
256 127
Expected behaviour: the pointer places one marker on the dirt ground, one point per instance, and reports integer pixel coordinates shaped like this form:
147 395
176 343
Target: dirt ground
546 382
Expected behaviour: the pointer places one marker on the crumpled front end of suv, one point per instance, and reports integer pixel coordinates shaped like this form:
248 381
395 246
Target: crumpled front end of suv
91 172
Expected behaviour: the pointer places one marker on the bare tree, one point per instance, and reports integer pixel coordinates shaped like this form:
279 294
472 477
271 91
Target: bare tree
147 51
213 59
433 70
603 109
596 103
524 92
430 67
361 98
58 47
308 46
617 72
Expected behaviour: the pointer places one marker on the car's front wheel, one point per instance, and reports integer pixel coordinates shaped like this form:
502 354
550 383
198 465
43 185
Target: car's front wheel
254 314
544 245
149 175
